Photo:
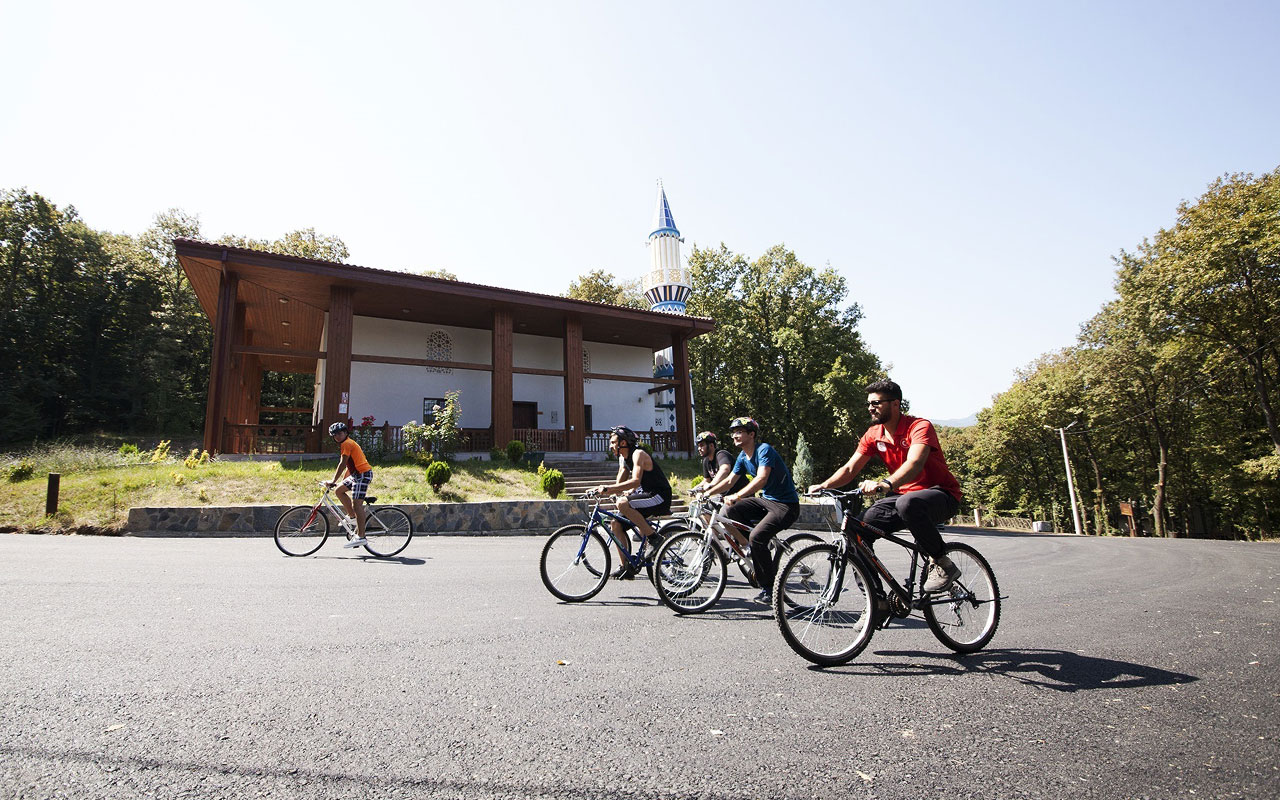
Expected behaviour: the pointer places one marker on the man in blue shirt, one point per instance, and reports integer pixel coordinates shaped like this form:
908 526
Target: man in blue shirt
777 507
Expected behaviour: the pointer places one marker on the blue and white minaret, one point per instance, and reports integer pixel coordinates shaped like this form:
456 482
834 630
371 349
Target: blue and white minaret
667 288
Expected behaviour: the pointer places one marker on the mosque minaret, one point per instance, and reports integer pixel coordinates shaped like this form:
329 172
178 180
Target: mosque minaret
666 287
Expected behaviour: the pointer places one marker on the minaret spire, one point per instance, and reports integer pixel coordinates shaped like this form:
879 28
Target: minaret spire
667 288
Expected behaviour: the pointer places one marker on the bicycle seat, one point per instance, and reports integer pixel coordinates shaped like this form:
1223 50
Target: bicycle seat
370 499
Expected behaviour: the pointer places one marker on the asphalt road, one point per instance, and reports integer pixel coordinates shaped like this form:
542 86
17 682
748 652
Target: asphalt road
218 668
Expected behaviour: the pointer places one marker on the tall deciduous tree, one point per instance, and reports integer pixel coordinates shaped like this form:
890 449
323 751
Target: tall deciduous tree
599 286
785 334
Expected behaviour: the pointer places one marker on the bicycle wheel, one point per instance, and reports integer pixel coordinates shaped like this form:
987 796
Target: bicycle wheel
387 531
826 614
790 546
301 530
691 573
965 617
664 532
574 563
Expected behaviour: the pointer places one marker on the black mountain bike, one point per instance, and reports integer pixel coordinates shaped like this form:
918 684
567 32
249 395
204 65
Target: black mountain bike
829 598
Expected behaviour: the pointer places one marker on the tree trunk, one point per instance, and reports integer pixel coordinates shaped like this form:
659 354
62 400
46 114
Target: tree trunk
1157 509
1264 398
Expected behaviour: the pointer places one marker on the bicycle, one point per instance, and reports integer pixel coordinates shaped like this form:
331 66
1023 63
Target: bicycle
576 560
692 565
302 530
830 598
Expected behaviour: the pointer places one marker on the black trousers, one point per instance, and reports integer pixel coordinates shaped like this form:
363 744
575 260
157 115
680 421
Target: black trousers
920 512
768 518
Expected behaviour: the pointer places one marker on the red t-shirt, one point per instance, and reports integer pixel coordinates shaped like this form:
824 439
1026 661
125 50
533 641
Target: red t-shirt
892 450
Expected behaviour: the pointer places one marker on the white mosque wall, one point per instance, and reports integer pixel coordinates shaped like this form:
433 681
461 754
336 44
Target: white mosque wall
395 392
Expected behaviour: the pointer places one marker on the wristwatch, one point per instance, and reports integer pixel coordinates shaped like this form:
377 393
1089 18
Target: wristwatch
888 484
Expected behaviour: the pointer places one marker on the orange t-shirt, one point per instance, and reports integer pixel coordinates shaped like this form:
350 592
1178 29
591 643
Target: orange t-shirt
352 451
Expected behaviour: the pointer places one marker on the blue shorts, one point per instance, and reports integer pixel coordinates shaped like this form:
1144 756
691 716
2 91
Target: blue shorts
358 484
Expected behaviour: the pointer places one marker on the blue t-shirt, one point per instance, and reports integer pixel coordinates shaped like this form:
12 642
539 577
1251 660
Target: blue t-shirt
780 488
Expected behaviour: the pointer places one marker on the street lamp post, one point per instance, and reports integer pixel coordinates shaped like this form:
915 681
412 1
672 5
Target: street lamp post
1071 486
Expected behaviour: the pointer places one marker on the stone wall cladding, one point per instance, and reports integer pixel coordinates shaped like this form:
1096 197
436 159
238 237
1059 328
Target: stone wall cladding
497 518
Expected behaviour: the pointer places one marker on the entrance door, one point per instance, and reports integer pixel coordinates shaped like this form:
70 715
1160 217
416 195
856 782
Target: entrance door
586 420
524 415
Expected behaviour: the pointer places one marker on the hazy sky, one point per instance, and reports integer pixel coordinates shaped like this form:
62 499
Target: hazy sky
970 168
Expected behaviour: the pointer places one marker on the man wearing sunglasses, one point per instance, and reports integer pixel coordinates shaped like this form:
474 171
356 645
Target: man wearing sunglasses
920 491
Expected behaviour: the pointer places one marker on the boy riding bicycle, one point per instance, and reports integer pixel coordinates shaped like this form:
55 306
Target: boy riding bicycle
351 492
777 507
648 492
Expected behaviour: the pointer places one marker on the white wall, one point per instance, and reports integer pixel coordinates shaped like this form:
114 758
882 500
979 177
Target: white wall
619 402
394 392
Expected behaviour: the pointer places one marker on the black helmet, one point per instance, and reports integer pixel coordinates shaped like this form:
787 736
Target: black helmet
746 423
337 426
625 434
705 436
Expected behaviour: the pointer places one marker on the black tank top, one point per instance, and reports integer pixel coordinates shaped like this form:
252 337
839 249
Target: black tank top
653 480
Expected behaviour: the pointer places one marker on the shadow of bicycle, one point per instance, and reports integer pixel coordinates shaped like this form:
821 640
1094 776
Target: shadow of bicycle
1059 670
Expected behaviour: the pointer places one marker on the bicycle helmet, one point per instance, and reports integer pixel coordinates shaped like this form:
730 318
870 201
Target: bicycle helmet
746 423
706 436
624 434
336 427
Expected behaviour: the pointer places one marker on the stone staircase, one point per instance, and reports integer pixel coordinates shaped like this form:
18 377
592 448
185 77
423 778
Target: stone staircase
581 475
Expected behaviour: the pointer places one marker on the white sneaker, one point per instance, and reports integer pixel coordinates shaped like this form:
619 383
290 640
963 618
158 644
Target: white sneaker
361 542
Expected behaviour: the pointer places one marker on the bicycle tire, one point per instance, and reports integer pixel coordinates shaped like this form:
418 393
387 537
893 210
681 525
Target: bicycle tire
821 630
665 532
298 533
387 531
563 571
748 569
967 618
691 573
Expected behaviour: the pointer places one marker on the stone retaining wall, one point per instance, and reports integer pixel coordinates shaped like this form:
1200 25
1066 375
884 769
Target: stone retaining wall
494 518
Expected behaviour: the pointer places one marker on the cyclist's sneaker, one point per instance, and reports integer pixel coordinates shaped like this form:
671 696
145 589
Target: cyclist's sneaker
765 597
361 542
654 541
624 573
941 574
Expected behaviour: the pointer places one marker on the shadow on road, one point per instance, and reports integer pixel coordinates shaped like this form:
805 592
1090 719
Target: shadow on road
1061 670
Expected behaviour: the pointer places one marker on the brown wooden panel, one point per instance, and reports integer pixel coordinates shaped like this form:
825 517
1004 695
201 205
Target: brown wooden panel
501 379
337 372
421 362
600 376
555 373
574 411
220 363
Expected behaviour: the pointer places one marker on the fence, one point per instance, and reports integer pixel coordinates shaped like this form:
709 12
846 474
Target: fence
659 441
994 520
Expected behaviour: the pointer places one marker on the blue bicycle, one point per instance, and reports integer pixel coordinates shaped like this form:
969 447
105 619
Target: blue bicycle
576 560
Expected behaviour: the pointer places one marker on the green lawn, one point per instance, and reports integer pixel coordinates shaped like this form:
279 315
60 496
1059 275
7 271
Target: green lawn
99 486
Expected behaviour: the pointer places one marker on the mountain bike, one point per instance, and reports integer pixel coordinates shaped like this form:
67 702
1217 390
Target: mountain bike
302 530
691 571
576 560
830 598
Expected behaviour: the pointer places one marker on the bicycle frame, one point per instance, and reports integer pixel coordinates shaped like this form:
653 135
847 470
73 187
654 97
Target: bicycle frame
715 527
602 516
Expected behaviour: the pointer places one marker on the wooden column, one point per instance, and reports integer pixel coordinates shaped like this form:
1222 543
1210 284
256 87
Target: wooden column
574 396
220 361
337 366
500 378
684 393
236 401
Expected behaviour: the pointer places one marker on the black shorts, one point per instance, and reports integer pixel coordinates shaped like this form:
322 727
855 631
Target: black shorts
649 504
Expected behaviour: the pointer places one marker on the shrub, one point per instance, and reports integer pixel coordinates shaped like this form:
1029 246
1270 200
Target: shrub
127 449
496 455
515 451
20 471
438 474
696 480
552 482
645 446
161 453
421 457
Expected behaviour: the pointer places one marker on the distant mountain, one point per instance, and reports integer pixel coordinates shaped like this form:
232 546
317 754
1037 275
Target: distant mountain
972 419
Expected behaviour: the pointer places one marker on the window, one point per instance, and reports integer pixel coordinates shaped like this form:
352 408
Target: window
439 348
429 406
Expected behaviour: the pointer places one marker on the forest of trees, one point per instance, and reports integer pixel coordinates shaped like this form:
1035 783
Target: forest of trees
1170 388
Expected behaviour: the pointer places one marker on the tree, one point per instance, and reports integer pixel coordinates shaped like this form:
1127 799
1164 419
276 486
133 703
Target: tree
599 286
784 335
304 243
1215 276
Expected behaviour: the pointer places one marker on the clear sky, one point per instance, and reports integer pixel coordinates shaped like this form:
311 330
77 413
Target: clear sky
970 168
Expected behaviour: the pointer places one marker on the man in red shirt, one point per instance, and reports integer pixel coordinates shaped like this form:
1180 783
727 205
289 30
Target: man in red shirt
921 492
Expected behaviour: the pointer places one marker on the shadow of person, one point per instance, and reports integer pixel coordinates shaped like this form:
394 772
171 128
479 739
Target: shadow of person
1059 670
